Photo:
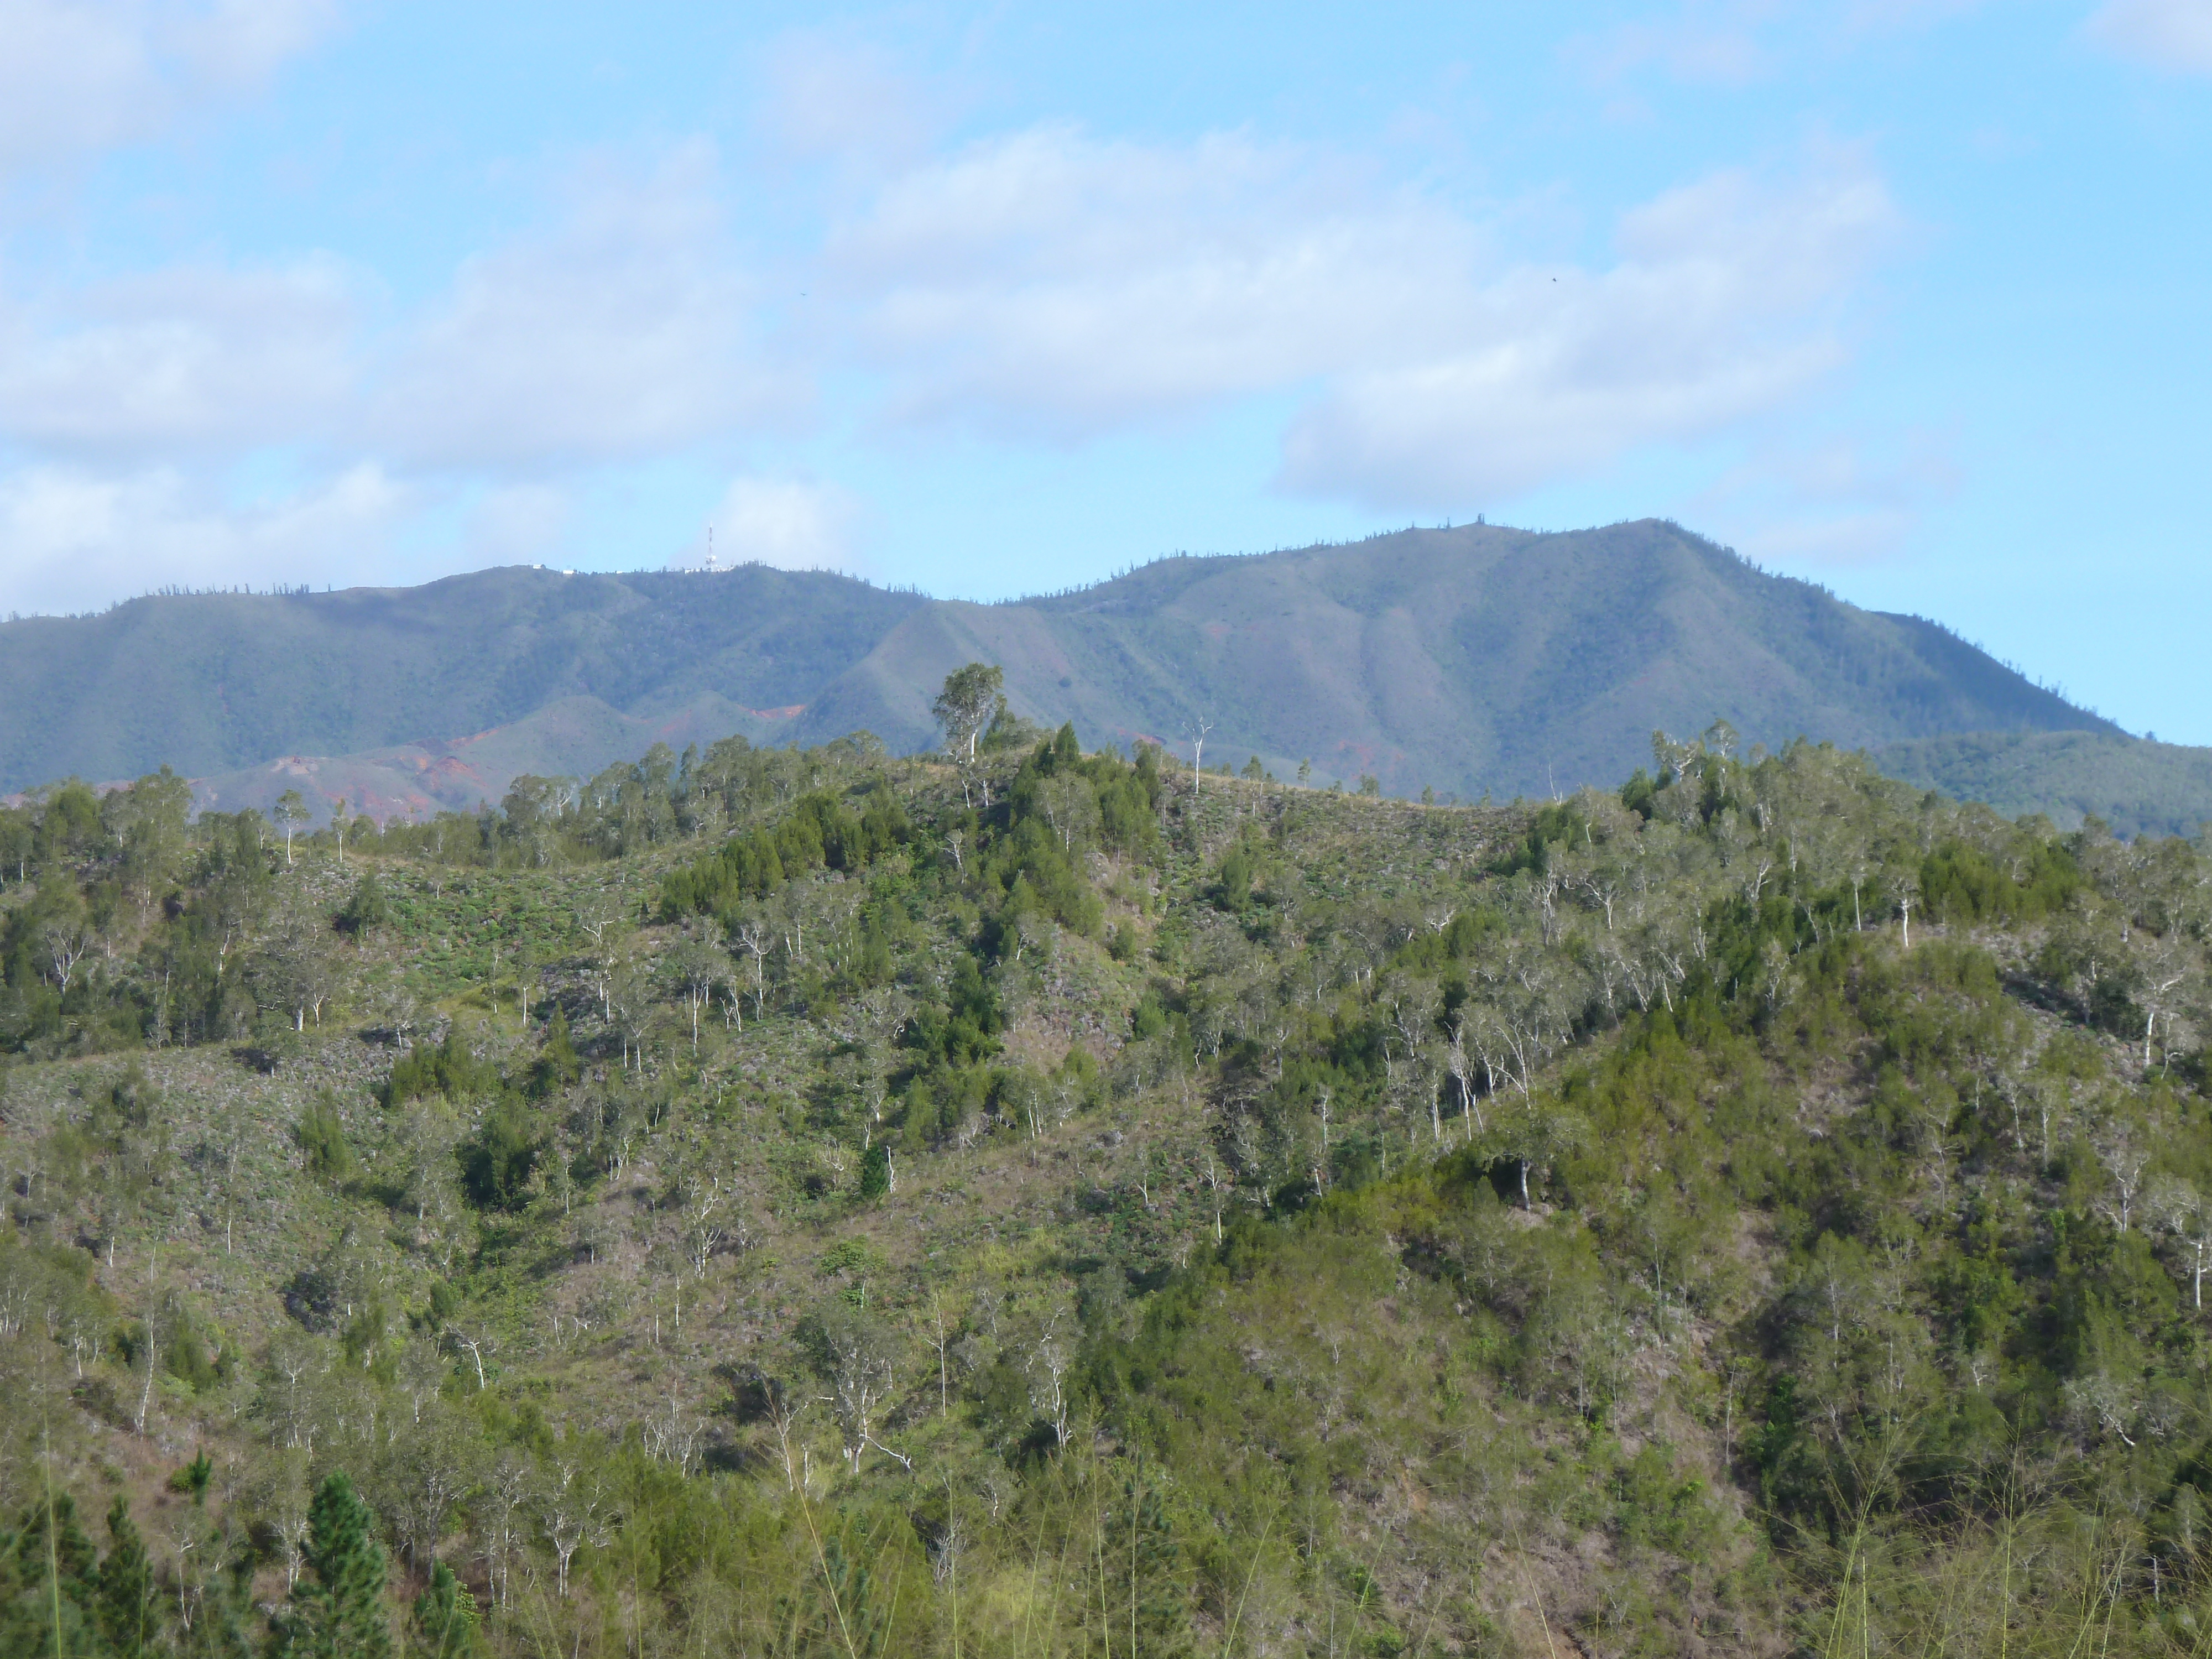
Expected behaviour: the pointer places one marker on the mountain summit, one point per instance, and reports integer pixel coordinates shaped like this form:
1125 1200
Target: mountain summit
1486 658
1470 658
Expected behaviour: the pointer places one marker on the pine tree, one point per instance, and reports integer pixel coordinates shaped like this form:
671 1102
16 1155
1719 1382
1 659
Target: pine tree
1150 1600
446 1616
127 1611
337 1608
851 1620
48 1568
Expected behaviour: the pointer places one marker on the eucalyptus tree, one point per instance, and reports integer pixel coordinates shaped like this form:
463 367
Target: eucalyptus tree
971 699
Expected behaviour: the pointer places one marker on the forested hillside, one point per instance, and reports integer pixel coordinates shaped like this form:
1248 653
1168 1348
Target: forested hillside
1486 660
2139 786
211 683
813 1202
1479 660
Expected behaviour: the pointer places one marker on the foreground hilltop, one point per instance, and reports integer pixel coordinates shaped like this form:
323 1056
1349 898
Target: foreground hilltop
1467 660
810 1202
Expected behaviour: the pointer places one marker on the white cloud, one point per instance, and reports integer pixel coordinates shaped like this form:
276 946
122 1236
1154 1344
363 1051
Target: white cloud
1043 286
625 331
2174 35
828 95
77 539
1052 284
791 524
189 357
1720 308
1050 280
129 408
80 75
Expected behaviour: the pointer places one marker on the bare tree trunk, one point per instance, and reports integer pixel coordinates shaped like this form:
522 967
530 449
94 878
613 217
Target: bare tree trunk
146 1398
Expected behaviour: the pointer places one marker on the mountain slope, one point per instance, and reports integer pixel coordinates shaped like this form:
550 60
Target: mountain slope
210 683
2138 787
1471 659
570 736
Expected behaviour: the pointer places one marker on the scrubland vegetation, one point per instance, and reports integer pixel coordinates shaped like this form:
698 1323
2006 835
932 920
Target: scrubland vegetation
792 1202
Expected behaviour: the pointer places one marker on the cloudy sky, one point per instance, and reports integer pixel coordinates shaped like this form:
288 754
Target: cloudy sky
1909 296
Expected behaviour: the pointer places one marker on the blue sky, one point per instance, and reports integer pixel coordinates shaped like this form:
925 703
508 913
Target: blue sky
1907 297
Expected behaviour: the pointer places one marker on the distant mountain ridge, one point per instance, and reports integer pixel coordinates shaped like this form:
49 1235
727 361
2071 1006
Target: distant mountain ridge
2137 786
212 682
1468 660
